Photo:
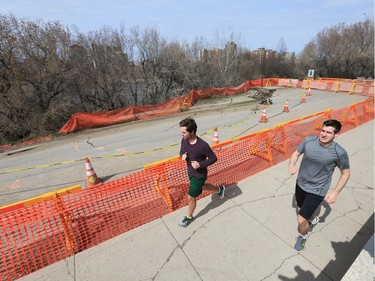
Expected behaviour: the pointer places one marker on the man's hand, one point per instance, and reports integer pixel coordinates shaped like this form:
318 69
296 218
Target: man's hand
331 198
184 156
195 164
292 170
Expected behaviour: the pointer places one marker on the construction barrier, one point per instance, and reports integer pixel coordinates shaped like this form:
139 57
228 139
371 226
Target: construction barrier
39 234
359 87
85 120
41 198
25 143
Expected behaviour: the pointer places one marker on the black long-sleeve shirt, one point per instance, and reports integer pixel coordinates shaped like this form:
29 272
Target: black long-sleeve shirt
200 152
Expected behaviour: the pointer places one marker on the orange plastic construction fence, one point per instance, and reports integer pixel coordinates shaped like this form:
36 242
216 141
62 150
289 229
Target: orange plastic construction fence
359 87
37 235
85 120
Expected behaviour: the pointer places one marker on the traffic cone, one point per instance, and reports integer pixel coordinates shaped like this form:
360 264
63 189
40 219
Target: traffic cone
308 92
215 138
286 106
91 177
303 98
264 117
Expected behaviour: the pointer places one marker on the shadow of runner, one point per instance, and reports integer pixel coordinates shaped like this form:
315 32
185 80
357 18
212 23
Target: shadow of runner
230 191
327 211
345 254
301 275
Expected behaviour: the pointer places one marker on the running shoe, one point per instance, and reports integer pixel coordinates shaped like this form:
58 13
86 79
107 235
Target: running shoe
300 244
313 224
185 221
221 191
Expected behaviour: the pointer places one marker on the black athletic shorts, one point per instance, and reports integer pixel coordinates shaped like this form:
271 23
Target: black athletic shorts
307 202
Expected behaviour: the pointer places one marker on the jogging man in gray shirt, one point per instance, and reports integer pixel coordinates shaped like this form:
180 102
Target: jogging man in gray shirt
321 155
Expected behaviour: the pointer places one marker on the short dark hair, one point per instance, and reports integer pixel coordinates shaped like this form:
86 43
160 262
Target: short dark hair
190 125
333 123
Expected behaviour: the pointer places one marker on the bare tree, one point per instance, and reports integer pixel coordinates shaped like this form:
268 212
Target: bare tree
159 73
12 110
33 55
285 62
247 69
226 60
48 72
359 53
199 72
342 51
102 64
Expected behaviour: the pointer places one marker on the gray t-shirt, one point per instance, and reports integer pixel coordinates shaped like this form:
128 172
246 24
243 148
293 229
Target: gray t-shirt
318 164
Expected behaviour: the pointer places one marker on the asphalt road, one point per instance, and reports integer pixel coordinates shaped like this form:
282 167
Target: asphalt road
122 149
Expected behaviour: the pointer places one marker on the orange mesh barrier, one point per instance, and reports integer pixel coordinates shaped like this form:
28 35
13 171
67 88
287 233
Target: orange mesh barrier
360 87
84 120
34 236
25 143
43 197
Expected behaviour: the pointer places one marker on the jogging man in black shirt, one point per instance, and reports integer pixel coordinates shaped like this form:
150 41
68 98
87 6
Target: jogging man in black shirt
198 156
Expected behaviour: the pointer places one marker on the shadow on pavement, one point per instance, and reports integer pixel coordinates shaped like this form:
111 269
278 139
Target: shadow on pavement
231 192
345 253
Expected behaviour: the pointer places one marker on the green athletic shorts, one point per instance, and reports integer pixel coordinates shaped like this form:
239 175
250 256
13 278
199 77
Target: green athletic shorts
196 185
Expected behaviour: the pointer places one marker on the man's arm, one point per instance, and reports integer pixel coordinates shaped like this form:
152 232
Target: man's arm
211 158
344 177
292 162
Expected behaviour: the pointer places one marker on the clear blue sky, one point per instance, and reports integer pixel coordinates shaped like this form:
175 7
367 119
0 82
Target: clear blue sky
254 23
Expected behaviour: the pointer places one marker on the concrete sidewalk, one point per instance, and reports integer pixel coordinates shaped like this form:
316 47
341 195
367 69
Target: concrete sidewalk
249 235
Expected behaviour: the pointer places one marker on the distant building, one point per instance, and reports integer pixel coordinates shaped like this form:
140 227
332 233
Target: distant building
262 54
203 55
231 49
215 54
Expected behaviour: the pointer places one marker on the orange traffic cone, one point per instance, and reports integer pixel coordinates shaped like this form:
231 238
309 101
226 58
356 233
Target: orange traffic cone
264 117
303 98
286 106
309 92
215 138
91 177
